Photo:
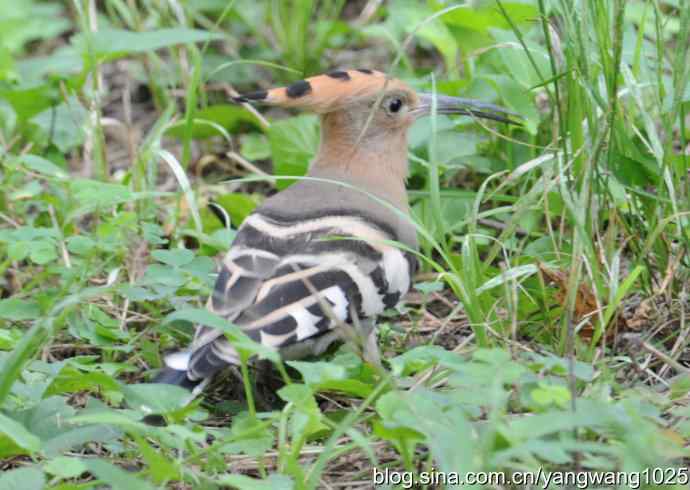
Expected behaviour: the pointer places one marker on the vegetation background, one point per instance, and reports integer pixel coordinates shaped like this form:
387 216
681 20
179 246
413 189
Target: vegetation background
548 327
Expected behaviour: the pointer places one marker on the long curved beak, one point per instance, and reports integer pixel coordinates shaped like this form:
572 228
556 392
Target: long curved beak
446 104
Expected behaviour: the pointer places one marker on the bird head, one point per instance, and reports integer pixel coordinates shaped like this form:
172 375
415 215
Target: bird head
365 114
373 98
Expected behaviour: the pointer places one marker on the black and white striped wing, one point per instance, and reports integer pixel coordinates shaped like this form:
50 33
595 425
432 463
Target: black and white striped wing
287 282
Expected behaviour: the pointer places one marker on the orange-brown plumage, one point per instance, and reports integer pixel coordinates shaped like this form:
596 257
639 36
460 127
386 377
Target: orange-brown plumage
328 92
365 115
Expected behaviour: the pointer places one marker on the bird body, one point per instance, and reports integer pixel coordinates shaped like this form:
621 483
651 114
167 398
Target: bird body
334 249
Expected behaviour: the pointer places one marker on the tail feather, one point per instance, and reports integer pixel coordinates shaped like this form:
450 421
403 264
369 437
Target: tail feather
177 377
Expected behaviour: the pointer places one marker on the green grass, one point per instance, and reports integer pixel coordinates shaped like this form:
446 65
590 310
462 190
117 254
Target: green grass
548 326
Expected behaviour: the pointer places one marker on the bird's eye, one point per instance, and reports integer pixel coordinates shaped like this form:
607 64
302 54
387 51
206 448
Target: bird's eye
394 105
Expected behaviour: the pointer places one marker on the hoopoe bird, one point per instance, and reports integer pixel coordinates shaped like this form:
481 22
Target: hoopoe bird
322 253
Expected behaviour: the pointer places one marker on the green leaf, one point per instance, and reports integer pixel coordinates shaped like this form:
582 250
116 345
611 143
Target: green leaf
29 478
249 436
42 166
160 468
156 398
60 63
27 102
224 115
19 435
116 478
293 143
65 467
72 380
94 194
255 146
415 18
328 376
127 420
110 44
419 358
80 245
63 125
447 432
17 250
42 252
485 18
518 100
306 419
429 287
21 22
75 438
680 387
175 257
237 205
16 309
551 394
163 274
47 421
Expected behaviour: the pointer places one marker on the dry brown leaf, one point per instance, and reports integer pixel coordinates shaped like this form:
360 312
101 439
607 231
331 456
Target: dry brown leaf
585 301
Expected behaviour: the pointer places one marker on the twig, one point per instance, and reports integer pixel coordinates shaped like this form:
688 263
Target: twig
248 165
9 220
636 340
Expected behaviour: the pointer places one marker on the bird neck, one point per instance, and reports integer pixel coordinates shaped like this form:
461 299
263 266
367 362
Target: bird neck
373 160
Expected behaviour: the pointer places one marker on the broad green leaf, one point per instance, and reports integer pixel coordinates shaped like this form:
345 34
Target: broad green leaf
63 125
415 17
18 434
115 477
75 438
156 398
489 16
429 287
306 419
249 436
117 418
551 394
255 146
27 102
65 467
110 44
16 309
237 205
164 275
328 376
62 62
517 99
96 194
47 421
418 358
446 430
72 380
80 245
160 468
42 252
174 257
27 478
293 143
21 22
18 250
42 166
226 116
